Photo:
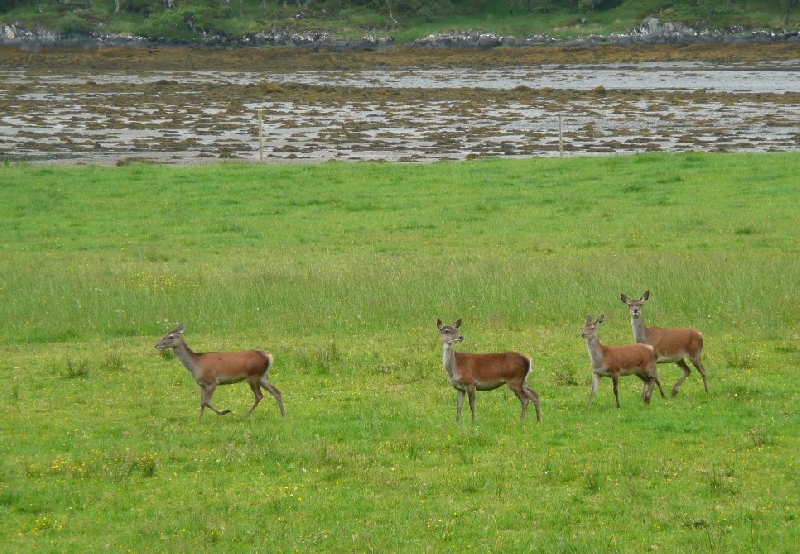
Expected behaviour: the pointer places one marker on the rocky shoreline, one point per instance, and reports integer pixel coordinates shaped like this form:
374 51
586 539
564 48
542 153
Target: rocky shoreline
651 31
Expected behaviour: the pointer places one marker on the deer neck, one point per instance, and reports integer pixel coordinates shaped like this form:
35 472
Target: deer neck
595 352
639 330
186 356
448 359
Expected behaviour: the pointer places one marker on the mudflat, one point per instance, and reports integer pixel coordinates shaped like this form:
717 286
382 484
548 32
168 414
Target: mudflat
184 105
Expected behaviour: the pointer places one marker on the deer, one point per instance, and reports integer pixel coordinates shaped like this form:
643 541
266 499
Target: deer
468 373
618 361
223 368
670 344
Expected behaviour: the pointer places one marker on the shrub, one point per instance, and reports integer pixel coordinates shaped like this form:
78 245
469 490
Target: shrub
72 25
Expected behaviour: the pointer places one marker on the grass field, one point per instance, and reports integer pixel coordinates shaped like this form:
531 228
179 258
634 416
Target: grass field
341 270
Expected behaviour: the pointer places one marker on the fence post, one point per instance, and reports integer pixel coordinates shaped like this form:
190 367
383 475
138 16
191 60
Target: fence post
260 137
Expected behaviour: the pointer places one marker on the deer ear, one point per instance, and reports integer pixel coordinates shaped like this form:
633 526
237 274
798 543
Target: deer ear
646 295
623 298
179 329
457 324
439 324
588 319
600 319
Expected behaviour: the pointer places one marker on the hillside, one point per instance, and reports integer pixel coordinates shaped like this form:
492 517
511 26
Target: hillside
372 22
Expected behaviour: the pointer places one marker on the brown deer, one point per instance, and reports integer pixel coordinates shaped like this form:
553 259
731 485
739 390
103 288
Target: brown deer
481 372
616 361
671 345
223 368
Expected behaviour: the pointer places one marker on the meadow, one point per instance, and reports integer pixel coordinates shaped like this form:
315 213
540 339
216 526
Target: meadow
341 271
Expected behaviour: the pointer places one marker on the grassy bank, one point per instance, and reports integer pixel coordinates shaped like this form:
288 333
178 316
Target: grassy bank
402 20
341 271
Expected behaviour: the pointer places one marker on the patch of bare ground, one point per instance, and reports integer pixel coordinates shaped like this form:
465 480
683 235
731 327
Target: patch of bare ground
120 58
59 104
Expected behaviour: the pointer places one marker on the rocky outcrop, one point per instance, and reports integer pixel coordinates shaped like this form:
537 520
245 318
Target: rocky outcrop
17 35
11 34
651 31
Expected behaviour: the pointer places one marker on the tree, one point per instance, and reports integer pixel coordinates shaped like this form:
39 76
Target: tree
790 4
241 5
589 5
8 5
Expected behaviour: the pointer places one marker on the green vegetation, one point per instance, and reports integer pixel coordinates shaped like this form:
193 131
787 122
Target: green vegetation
341 271
399 19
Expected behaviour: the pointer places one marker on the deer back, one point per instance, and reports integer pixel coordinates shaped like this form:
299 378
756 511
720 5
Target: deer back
491 368
232 366
675 343
629 359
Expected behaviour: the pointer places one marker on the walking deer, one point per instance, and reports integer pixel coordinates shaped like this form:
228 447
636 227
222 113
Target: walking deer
223 368
616 361
482 372
671 345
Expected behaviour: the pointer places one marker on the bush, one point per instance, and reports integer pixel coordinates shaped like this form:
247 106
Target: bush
72 25
141 7
589 5
191 19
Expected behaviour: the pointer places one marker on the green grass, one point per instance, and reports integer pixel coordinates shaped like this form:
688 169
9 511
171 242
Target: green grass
341 270
409 20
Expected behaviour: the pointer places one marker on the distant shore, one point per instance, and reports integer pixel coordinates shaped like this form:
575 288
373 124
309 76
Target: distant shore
650 32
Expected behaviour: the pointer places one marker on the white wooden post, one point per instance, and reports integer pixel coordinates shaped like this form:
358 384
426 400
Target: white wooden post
260 137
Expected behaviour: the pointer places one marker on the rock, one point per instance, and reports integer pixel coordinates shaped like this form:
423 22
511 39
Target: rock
651 31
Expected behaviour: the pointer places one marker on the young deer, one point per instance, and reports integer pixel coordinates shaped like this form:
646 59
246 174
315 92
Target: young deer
671 345
616 361
222 368
480 372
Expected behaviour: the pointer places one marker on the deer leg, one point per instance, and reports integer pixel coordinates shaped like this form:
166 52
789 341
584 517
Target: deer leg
615 380
471 394
459 404
256 387
645 382
650 384
657 381
524 398
273 390
698 364
595 383
202 404
533 395
206 392
686 371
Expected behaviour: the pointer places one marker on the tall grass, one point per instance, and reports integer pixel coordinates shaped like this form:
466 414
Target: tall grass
341 270
341 247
